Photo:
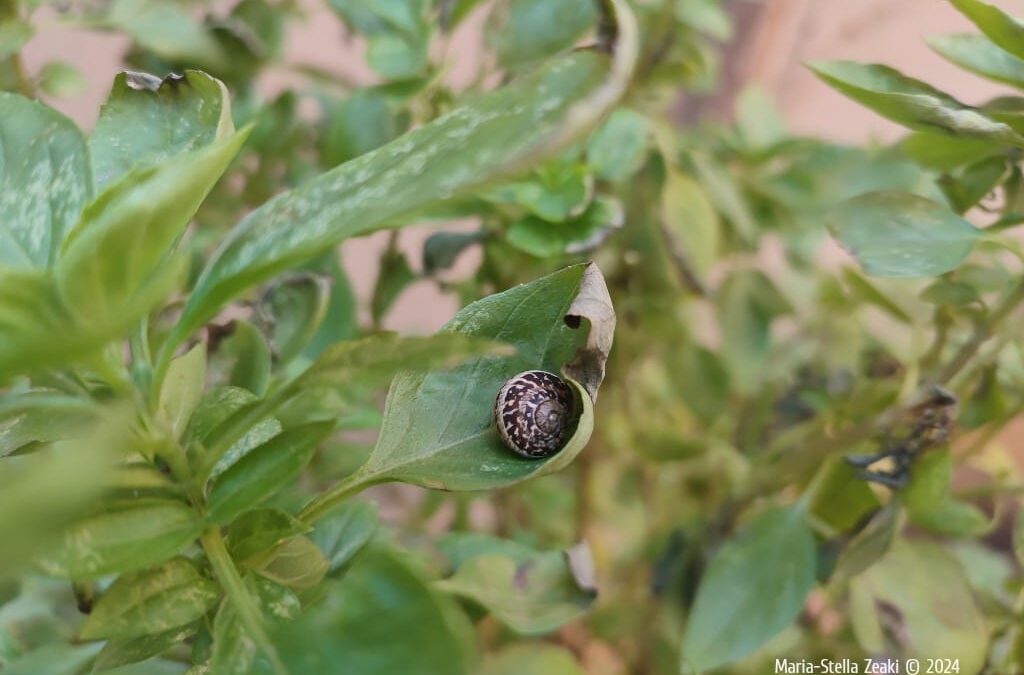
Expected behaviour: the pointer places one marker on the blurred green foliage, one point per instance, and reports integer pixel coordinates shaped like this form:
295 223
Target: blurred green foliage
189 388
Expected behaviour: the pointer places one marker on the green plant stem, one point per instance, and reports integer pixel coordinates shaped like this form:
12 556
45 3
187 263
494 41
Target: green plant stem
984 330
322 504
238 595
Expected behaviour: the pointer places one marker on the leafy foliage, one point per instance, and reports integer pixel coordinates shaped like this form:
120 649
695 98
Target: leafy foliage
189 405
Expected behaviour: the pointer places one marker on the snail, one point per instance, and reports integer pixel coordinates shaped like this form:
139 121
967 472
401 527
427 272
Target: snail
536 413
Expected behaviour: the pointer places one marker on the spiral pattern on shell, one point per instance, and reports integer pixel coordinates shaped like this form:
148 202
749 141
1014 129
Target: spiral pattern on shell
535 413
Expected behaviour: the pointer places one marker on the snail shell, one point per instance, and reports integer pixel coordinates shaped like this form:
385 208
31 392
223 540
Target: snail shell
535 413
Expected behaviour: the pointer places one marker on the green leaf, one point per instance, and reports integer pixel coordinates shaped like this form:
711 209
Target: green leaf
151 601
62 80
618 148
260 530
870 543
167 30
897 234
147 120
929 484
234 653
532 592
690 222
216 409
910 102
343 534
132 227
340 323
558 190
119 652
944 153
585 232
125 537
438 430
393 277
242 359
541 658
999 27
297 564
532 30
441 249
263 471
14 33
297 306
183 388
840 498
498 134
361 123
918 594
43 492
45 172
40 417
974 183
53 659
381 597
752 589
978 55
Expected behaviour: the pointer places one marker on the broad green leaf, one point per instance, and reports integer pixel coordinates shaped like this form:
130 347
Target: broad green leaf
53 659
752 589
897 234
532 30
40 417
133 226
296 564
260 530
978 55
532 592
999 27
263 471
690 221
234 652
910 102
182 389
922 596
168 30
541 658
147 120
396 32
929 484
120 652
496 135
41 493
944 153
705 16
380 598
44 170
125 537
343 534
215 409
151 601
438 430
724 190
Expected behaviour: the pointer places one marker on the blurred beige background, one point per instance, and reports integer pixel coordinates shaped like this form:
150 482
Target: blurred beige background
777 37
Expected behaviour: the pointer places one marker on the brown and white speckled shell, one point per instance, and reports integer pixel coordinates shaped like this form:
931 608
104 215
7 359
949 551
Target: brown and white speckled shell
535 413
